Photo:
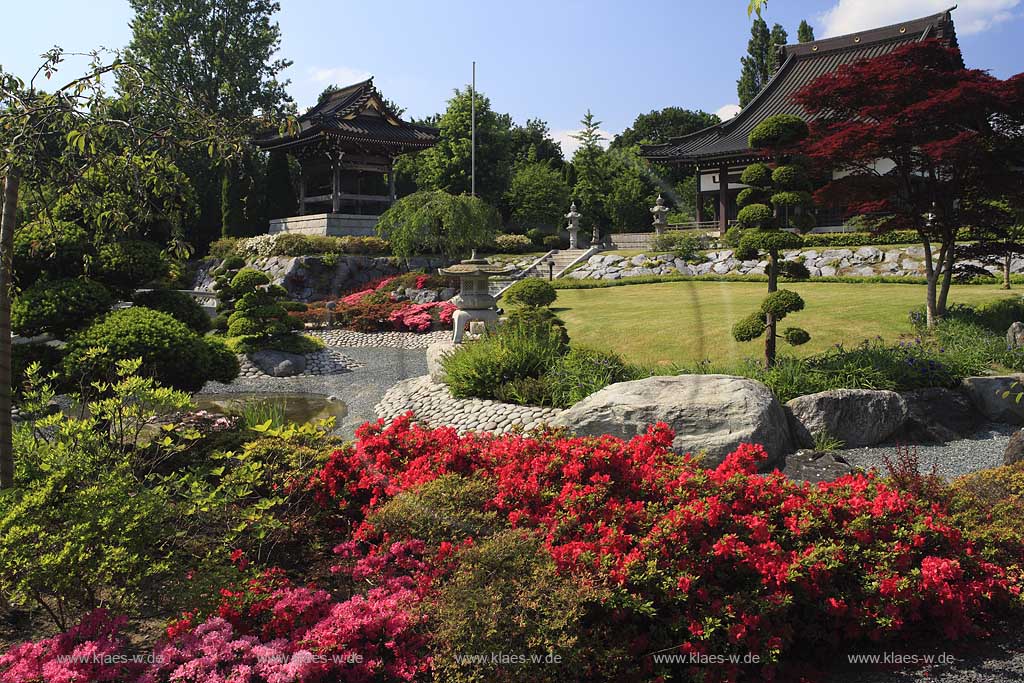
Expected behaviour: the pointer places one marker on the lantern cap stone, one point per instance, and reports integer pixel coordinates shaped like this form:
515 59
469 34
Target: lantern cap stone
477 266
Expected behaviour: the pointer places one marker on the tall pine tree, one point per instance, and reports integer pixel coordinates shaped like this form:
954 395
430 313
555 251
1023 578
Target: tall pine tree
805 32
761 61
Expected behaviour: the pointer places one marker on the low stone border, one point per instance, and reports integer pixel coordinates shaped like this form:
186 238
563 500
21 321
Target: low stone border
323 362
393 340
434 406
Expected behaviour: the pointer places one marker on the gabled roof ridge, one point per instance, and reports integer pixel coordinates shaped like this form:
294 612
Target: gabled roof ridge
900 29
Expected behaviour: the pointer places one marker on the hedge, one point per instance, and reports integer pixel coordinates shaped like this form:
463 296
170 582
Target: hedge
568 283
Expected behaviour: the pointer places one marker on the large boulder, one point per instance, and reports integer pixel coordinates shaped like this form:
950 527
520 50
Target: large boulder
857 417
987 395
814 466
711 414
1015 335
278 363
435 354
1014 452
937 415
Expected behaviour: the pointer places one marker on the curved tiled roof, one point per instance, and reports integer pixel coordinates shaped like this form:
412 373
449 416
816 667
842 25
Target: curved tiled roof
802 63
344 115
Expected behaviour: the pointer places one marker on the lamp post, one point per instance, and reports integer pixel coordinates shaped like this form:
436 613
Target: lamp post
474 300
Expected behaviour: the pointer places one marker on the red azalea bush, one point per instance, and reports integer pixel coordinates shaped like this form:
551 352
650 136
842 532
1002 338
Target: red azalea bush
376 307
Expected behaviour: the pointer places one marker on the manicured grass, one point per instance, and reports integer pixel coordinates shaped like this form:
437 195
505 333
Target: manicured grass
686 322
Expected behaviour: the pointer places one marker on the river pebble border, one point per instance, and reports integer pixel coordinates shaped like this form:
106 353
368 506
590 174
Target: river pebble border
327 361
392 340
434 406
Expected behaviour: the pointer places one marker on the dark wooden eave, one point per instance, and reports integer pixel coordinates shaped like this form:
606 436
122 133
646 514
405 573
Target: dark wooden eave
801 64
354 116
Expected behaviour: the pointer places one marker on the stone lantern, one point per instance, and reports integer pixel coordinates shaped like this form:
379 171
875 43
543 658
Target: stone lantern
574 226
474 300
660 213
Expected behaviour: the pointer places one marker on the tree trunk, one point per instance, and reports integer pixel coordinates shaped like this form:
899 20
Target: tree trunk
931 277
770 324
949 258
7 226
1006 269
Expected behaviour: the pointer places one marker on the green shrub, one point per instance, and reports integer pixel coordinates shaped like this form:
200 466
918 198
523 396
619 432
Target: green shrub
512 244
752 195
56 249
780 130
754 215
531 291
224 247
23 355
123 266
756 175
790 177
583 371
58 307
682 245
519 349
526 391
449 508
537 318
859 239
171 353
749 328
794 270
781 303
293 244
791 199
259 320
553 242
178 305
795 336
536 236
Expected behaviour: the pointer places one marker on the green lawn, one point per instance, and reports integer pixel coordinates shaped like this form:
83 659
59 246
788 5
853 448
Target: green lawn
685 322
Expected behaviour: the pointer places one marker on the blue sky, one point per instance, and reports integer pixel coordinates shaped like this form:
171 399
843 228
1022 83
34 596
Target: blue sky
550 60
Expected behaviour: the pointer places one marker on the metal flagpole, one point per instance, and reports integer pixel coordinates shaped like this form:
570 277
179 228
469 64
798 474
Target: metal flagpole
472 142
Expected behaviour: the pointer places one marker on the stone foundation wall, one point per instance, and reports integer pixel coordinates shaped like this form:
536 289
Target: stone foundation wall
312 278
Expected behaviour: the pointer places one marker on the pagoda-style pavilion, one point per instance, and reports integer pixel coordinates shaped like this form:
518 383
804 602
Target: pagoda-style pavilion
719 154
346 147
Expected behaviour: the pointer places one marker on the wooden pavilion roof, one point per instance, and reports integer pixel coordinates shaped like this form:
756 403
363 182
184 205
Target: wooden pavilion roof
801 64
354 116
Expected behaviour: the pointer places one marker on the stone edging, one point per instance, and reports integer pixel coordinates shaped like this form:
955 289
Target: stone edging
327 361
434 406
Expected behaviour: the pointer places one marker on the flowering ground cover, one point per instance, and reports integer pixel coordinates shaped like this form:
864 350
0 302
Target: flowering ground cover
601 559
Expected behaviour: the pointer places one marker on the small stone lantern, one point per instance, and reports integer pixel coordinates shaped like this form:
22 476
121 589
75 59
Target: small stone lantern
474 300
574 226
660 212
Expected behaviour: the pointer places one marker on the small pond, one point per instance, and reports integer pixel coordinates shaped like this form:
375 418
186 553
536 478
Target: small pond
294 407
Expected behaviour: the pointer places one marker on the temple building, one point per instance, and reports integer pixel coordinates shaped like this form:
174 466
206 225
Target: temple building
346 147
719 154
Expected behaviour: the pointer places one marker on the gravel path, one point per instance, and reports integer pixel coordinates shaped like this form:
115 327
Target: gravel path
359 388
982 450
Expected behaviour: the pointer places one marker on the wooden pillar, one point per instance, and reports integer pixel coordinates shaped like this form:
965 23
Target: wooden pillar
700 201
391 180
302 190
336 186
723 198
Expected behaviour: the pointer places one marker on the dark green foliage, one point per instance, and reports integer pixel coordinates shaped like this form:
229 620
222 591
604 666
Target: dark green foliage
259 320
124 266
778 131
781 303
682 245
581 372
435 222
770 240
171 353
791 199
281 199
23 355
57 249
805 32
248 280
754 215
512 244
795 336
761 60
757 175
178 305
790 177
793 270
540 317
860 239
58 307
538 195
749 328
308 245
449 508
752 195
662 125
536 236
531 291
732 236
553 242
232 214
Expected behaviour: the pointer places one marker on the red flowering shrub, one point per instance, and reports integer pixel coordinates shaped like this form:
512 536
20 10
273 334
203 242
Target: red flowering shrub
374 307
703 561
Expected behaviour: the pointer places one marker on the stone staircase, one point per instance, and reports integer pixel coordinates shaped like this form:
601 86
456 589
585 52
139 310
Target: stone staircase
563 259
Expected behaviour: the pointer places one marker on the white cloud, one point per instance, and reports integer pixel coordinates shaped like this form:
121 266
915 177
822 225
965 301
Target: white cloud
727 111
338 75
570 144
971 16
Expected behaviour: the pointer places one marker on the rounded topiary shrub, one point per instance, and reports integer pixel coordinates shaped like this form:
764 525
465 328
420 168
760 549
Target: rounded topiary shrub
791 199
777 131
790 177
536 236
171 353
796 336
756 175
794 270
754 215
532 291
55 248
59 307
781 303
512 244
178 305
125 265
749 328
752 195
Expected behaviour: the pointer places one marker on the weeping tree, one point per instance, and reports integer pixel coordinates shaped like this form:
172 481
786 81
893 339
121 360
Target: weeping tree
774 204
435 222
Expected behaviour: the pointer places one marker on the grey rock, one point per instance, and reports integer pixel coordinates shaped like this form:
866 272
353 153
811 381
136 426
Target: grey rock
814 466
869 254
987 395
278 363
827 271
1014 452
435 354
937 415
712 414
1015 335
638 260
857 417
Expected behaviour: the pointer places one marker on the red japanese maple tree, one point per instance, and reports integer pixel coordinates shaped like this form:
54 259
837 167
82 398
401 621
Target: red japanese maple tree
911 134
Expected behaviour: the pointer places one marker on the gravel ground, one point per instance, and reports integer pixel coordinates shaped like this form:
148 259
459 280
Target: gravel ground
359 388
982 450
